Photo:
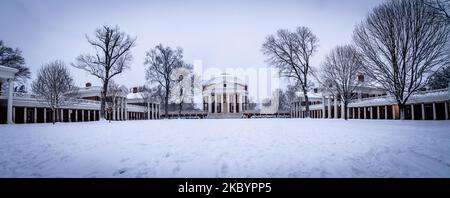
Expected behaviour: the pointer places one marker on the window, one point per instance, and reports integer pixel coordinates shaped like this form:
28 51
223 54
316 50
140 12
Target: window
224 85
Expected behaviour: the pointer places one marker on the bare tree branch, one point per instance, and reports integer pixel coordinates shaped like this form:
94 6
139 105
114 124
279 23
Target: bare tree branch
112 57
54 85
291 53
402 44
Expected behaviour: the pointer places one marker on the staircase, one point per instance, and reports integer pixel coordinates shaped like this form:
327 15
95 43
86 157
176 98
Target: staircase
224 116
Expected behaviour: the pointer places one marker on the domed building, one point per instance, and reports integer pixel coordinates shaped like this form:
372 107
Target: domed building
225 94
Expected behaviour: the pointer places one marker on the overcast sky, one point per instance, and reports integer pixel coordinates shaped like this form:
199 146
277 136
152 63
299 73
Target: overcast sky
222 34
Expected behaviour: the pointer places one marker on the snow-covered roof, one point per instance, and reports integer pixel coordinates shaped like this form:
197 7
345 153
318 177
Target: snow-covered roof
224 77
421 97
96 91
134 96
7 72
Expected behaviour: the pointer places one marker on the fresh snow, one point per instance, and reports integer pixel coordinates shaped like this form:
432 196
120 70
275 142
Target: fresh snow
227 148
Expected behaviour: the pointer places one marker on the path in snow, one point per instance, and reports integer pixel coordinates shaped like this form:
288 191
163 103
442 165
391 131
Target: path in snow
227 148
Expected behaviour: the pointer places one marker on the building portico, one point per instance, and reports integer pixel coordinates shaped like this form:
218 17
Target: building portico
7 74
225 94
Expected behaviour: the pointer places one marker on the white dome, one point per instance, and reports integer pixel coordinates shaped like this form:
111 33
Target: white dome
224 77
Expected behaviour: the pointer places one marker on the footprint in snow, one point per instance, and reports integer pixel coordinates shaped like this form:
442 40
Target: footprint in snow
120 171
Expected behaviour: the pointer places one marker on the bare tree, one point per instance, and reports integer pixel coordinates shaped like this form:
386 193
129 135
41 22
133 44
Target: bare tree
402 44
291 53
161 62
112 57
54 85
10 57
440 79
340 73
441 7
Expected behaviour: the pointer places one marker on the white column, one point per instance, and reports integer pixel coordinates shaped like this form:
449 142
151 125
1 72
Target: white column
385 112
209 103
45 115
113 110
423 111
76 115
240 103
70 116
221 103
365 112
122 107
243 103
61 117
323 106
329 107
371 113
378 112
393 112
296 110
95 115
82 115
89 115
125 110
9 116
335 108
300 109
35 115
412 111
434 111
446 109
148 111
215 102
24 115
342 110
353 113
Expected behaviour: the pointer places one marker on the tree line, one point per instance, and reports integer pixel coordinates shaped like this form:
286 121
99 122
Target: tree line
166 72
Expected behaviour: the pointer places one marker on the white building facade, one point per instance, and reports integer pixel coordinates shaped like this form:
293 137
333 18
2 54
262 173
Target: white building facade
16 107
372 103
225 94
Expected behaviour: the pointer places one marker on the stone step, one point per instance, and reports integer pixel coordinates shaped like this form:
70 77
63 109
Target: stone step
224 116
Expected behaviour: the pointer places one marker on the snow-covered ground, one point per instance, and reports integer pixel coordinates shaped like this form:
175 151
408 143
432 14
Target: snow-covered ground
227 148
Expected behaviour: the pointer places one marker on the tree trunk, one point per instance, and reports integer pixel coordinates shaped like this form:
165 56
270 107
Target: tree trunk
345 110
180 109
103 100
166 103
402 109
305 93
53 116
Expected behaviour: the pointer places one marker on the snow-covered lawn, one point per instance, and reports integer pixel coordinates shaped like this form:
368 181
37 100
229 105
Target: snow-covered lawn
227 148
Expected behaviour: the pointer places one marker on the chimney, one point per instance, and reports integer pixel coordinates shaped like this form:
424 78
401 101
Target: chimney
88 84
135 89
361 78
